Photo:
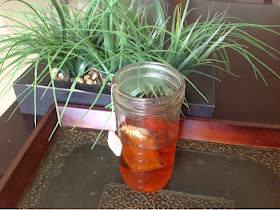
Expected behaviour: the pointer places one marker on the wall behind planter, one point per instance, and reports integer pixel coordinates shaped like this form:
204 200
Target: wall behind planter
245 98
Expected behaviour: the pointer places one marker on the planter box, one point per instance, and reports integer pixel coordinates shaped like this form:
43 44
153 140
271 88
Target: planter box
86 94
198 106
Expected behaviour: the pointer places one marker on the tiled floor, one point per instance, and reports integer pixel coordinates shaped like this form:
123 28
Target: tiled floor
9 97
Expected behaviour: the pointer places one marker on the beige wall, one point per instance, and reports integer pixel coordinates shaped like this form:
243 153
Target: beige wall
9 98
18 6
276 2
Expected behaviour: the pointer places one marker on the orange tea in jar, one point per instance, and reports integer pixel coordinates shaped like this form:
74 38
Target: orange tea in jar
147 127
147 160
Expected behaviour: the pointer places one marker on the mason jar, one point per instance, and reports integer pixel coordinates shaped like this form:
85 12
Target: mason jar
148 97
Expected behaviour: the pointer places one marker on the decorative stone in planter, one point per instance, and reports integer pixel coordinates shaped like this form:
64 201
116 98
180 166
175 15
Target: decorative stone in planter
85 94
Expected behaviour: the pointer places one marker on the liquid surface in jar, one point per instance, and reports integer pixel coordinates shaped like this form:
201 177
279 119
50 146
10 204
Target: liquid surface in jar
144 165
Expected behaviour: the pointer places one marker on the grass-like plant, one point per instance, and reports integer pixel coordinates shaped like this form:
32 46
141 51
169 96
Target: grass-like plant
108 34
173 41
70 39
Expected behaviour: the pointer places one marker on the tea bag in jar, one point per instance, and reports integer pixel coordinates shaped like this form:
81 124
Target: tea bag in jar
140 154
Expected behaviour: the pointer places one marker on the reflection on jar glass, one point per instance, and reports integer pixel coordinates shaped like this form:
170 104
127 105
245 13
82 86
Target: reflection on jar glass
148 99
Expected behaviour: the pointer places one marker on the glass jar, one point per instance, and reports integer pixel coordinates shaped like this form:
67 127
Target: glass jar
148 98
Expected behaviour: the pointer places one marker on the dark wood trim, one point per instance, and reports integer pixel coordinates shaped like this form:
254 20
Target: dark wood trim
20 173
221 131
230 132
95 118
